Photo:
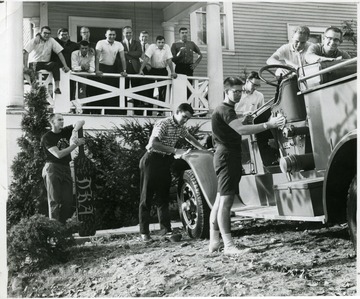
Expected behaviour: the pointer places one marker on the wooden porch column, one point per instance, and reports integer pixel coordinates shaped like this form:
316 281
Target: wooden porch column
14 69
214 54
44 15
169 32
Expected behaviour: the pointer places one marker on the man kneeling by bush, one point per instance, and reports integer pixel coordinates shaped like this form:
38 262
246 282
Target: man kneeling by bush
58 144
155 177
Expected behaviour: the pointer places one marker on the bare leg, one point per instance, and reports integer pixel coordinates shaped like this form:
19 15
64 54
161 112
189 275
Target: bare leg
214 212
224 222
223 216
214 226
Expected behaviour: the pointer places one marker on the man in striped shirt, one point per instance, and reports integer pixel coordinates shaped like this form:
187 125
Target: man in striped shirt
155 175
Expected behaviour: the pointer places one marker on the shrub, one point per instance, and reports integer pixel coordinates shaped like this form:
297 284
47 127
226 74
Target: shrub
37 242
349 30
27 194
116 154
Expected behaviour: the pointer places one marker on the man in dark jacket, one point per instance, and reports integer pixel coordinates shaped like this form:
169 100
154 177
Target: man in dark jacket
133 52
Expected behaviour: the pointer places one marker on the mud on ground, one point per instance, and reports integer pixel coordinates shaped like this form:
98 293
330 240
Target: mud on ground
287 259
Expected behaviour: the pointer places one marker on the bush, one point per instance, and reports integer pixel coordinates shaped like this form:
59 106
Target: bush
349 30
116 182
27 194
37 242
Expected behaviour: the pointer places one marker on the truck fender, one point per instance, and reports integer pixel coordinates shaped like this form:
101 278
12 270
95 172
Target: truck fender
339 173
201 163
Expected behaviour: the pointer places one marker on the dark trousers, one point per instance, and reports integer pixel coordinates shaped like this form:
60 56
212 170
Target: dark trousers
183 68
162 89
114 101
51 66
155 181
59 186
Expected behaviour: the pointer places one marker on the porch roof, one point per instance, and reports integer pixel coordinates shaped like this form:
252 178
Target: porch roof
172 11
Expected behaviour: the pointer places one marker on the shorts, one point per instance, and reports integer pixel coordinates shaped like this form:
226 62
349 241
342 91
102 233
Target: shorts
228 170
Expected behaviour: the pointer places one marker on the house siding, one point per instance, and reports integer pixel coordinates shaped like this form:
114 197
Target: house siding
261 27
143 16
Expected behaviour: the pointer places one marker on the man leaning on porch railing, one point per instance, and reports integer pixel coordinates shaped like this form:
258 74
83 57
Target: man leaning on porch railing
159 55
42 54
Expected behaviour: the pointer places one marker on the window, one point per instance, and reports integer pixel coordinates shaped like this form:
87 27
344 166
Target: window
97 27
316 32
198 26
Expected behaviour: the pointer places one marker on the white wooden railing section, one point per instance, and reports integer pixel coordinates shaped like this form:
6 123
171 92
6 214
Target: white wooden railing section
176 93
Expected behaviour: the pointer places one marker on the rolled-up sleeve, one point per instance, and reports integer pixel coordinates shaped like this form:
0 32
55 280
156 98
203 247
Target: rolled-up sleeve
56 46
159 130
311 55
168 52
75 66
29 46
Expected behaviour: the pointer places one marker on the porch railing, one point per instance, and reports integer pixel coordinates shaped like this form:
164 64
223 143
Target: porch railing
178 91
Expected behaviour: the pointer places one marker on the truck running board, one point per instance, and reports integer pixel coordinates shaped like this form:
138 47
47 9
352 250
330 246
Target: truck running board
269 212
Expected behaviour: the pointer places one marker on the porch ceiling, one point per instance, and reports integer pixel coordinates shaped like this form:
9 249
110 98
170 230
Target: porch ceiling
176 11
172 11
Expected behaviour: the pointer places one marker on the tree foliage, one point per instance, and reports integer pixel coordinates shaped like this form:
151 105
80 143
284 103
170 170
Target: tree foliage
116 154
349 30
37 242
27 194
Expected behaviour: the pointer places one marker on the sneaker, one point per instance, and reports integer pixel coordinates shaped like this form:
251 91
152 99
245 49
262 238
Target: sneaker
146 238
175 237
57 91
235 251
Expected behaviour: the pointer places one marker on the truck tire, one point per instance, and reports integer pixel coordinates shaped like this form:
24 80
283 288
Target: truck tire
351 210
193 208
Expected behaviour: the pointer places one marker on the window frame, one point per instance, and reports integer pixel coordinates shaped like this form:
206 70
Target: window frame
75 22
228 28
314 30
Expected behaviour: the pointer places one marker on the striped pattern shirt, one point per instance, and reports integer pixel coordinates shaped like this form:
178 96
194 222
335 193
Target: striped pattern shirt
168 132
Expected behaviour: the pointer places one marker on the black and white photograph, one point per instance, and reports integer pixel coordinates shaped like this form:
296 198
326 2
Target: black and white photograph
178 149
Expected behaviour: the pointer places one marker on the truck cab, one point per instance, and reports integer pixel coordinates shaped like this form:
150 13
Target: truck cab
305 171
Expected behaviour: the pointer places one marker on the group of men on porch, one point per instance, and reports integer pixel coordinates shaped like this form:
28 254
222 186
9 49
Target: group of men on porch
110 56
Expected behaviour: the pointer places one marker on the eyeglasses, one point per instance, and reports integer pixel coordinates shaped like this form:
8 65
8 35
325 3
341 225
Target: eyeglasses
236 90
84 32
335 40
47 33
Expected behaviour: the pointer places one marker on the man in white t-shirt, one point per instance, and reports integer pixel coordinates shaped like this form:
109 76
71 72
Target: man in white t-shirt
251 99
106 52
40 53
159 55
292 53
105 62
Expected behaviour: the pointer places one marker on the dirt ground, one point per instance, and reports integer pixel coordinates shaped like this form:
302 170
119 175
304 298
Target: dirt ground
287 259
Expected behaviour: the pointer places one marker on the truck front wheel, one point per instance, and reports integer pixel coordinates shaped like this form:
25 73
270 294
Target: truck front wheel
351 210
193 208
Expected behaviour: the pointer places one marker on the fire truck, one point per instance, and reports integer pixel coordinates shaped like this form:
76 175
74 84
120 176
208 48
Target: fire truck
305 171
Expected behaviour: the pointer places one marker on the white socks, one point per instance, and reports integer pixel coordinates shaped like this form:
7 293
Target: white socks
228 241
214 240
230 248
